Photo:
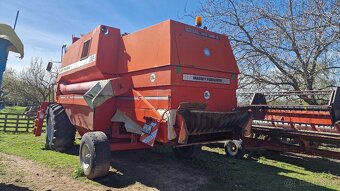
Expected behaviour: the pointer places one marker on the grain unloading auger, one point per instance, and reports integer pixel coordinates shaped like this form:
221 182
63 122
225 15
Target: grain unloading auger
284 122
167 84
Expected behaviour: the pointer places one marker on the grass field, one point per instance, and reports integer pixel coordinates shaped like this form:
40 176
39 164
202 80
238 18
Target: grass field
30 147
273 172
13 109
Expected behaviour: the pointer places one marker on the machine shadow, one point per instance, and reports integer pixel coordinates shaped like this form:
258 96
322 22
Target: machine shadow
71 151
159 168
11 187
153 168
311 163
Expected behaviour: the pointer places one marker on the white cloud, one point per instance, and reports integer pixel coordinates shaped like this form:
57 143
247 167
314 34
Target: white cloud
37 43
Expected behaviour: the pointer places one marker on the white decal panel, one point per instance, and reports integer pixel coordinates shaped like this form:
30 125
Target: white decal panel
78 64
207 79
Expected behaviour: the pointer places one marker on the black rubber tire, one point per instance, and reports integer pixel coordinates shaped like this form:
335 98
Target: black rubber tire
234 149
337 124
95 154
187 152
60 133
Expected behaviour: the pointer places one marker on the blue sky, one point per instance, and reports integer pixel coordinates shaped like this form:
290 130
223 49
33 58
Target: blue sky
45 25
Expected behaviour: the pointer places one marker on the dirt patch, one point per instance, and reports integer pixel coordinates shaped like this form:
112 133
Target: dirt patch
20 174
138 170
159 169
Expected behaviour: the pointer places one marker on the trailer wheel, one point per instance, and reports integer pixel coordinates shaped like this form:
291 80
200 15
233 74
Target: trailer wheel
337 124
95 154
60 133
187 152
234 148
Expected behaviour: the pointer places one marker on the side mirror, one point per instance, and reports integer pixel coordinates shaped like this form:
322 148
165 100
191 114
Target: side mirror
49 66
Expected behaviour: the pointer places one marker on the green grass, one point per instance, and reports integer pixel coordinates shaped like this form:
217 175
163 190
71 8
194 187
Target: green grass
30 147
78 172
275 171
13 109
268 172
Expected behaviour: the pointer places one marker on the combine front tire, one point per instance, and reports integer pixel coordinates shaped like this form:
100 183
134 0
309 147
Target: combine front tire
234 148
95 154
60 133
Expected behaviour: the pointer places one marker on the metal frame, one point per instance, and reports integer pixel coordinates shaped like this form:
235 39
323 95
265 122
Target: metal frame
309 126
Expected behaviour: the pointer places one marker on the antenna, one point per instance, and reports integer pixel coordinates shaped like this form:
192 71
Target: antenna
16 19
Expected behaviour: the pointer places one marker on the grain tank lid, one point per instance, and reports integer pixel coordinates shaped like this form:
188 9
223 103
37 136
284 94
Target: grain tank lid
7 33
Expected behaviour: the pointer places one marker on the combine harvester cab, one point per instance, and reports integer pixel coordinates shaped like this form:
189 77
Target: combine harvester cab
170 83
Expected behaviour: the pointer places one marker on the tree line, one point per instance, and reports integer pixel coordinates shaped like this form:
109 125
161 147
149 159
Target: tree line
30 86
280 45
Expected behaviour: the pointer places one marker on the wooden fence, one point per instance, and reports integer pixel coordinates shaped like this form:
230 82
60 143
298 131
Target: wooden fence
10 122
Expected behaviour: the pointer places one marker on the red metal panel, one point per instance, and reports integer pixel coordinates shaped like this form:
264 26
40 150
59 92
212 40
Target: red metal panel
146 49
220 99
104 64
151 78
94 120
199 48
80 115
296 116
71 99
128 146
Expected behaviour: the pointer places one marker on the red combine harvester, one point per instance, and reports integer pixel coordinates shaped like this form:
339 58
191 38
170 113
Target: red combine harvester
284 122
170 83
174 84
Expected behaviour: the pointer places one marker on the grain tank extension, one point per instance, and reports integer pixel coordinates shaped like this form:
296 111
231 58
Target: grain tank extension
170 83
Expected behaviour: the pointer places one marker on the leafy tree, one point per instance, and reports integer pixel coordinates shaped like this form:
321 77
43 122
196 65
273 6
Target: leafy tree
281 45
29 86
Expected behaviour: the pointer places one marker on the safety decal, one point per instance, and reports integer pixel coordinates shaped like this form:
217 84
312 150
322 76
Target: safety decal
78 64
149 133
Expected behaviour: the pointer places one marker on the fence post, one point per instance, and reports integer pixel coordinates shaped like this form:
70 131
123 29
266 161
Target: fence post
5 123
28 122
17 124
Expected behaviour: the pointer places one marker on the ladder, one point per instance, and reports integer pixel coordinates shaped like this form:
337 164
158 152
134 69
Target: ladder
39 120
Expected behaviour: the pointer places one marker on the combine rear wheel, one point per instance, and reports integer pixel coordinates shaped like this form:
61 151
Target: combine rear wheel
234 148
95 154
60 133
187 152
